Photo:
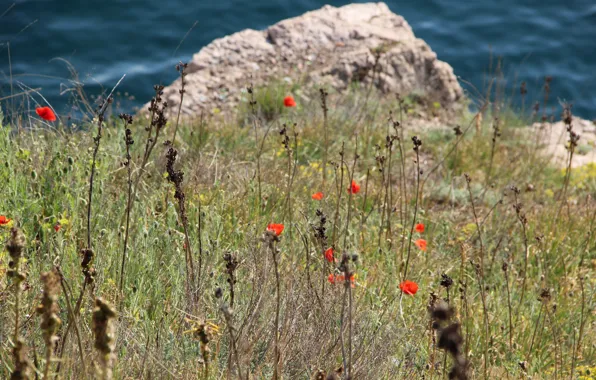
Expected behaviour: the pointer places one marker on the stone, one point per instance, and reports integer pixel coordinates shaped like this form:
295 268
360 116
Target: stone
553 141
330 46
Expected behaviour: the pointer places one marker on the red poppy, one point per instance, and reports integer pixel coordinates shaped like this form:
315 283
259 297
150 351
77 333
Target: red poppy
355 188
409 287
329 255
4 220
276 228
57 227
317 196
421 243
333 278
289 101
46 113
353 281
419 228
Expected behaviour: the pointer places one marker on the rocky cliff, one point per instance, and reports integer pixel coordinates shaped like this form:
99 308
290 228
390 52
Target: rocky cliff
330 46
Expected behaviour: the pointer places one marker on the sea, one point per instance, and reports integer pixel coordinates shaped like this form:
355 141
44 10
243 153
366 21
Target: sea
43 43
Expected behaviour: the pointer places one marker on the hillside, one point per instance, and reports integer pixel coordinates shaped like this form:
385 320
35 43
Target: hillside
328 222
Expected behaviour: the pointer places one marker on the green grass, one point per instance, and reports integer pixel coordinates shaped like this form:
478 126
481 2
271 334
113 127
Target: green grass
45 179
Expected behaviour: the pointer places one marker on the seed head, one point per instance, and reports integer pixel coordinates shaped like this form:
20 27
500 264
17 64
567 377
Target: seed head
22 365
103 330
48 309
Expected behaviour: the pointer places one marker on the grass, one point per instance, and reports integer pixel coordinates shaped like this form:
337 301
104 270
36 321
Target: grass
508 274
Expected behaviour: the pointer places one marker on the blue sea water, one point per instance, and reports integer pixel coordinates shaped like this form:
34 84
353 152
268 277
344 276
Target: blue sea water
144 39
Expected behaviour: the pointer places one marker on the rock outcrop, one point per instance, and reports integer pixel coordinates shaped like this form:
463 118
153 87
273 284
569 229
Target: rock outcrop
553 139
331 46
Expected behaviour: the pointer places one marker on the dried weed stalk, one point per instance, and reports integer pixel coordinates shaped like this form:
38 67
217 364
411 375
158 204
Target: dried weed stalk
48 310
176 177
103 330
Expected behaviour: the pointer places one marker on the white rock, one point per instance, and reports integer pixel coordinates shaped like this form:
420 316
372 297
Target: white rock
329 46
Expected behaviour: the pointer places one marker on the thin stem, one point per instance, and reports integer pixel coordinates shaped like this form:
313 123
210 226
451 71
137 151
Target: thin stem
350 196
522 220
253 104
554 329
405 276
128 141
389 193
347 272
496 134
478 226
324 95
97 140
509 308
339 194
349 289
276 370
363 212
534 333
577 349
73 317
485 318
17 299
180 68
71 322
228 317
341 329
157 122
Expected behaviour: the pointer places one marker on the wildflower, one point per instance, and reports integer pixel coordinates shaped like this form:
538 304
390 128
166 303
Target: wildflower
419 228
421 243
333 278
409 287
57 227
353 280
46 113
354 188
329 255
317 196
276 228
289 101
4 220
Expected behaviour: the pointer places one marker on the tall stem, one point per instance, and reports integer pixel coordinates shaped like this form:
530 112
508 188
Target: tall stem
405 276
180 68
17 298
253 104
128 142
324 95
485 318
97 140
276 370
478 226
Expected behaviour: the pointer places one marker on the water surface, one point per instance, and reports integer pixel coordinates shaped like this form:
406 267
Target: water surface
105 39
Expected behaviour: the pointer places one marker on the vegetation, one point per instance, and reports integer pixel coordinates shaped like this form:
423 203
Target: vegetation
436 249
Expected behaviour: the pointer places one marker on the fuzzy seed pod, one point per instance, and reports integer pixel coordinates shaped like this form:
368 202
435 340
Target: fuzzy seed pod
48 309
22 366
103 330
